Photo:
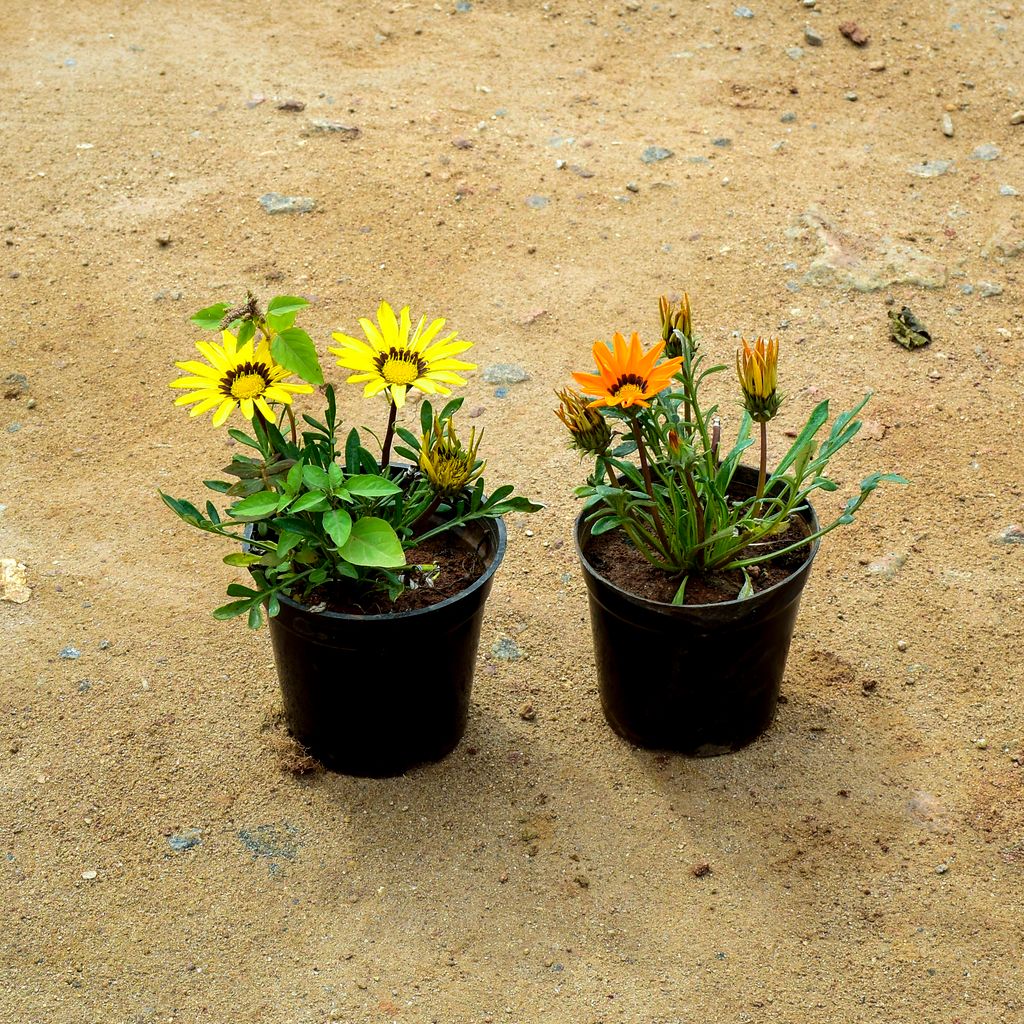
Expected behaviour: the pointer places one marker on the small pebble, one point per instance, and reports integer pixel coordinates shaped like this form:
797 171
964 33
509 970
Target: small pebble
981 743
851 96
794 52
88 875
877 65
527 712
275 202
632 186
653 154
987 289
1017 117
537 202
1008 190
947 126
813 37
70 653
986 151
788 118
743 12
1012 534
901 645
941 869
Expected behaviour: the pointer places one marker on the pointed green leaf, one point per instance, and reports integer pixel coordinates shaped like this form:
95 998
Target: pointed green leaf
370 486
209 319
373 542
311 501
256 506
338 526
234 608
240 558
286 304
295 351
315 478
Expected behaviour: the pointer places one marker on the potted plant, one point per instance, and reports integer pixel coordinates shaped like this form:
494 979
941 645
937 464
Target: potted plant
694 563
373 574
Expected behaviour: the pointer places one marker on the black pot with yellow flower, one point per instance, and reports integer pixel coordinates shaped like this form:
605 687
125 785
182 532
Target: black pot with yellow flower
694 563
373 575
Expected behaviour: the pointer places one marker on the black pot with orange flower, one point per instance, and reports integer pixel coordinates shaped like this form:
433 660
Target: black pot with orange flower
694 563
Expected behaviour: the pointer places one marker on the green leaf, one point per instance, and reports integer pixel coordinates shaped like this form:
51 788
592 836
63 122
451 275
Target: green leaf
246 331
335 475
605 525
230 611
256 506
209 319
369 486
373 542
220 486
238 590
294 479
295 351
426 417
451 409
212 514
240 558
338 526
242 438
273 605
311 501
316 479
813 425
747 590
286 304
285 542
255 617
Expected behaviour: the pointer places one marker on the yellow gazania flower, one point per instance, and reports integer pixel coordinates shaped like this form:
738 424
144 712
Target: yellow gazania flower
447 465
757 369
627 377
392 361
237 377
590 433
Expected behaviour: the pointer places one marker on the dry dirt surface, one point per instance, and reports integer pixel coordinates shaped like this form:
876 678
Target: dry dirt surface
538 172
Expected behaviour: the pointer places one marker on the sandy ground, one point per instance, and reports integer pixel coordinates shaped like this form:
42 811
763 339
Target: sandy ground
867 856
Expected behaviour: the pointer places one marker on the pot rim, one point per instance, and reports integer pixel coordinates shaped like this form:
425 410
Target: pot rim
500 529
804 567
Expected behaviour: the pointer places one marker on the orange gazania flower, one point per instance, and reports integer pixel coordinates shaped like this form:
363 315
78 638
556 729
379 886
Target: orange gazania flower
627 377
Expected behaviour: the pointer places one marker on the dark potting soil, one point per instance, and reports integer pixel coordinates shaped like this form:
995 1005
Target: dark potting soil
458 564
613 555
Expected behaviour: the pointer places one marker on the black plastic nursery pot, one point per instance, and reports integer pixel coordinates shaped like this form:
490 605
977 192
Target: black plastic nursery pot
375 695
698 680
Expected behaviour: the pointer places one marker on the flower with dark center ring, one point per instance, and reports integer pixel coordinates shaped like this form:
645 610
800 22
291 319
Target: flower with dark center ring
627 376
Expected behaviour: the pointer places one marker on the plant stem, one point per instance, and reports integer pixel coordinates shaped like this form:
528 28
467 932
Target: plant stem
698 512
646 470
385 448
425 514
764 469
291 422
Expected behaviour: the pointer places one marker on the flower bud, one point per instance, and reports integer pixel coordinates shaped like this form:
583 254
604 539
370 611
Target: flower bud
757 369
448 466
589 430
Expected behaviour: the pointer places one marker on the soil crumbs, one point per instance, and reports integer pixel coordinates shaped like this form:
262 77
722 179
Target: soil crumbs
616 558
449 566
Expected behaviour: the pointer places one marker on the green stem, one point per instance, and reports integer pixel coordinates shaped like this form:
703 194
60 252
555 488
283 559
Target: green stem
425 515
764 469
385 448
646 470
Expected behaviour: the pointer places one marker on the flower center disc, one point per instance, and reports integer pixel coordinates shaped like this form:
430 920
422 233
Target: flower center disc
629 393
248 385
397 370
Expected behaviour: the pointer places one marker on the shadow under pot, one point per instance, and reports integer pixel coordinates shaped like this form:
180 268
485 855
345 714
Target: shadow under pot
697 679
375 695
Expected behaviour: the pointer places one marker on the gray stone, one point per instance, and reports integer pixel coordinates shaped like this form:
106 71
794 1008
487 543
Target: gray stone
986 151
463 6
1005 242
275 202
851 96
506 649
947 126
794 52
1012 534
722 142
743 12
652 154
987 289
321 126
70 653
813 37
505 374
931 168
1017 117
1008 190
537 202
270 841
888 565
788 118
14 385
185 840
